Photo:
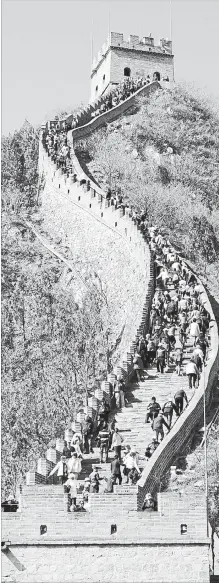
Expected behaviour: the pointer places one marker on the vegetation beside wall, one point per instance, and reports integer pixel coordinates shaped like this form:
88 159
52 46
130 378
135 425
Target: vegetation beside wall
53 347
164 158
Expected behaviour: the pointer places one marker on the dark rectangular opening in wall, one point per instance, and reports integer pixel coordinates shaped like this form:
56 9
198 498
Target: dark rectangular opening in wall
115 224
130 238
90 206
68 190
101 214
59 185
125 231
113 528
43 529
79 198
183 528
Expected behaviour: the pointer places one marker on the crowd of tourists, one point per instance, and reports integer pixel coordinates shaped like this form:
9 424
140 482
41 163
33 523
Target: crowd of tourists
56 145
177 314
121 92
55 138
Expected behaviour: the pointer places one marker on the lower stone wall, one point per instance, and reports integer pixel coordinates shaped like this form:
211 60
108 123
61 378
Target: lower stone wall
93 563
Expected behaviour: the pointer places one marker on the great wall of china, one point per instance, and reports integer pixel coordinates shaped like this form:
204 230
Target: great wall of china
73 540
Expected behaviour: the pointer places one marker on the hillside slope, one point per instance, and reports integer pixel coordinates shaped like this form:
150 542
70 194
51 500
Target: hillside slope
164 158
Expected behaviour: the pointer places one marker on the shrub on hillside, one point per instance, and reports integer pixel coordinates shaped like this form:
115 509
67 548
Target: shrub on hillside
175 174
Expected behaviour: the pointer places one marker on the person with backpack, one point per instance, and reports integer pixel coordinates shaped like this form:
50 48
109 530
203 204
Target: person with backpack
179 398
61 469
197 357
160 356
168 409
157 426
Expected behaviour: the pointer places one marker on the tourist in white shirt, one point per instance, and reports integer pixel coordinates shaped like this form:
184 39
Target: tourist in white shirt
72 485
192 373
117 442
74 465
194 330
130 464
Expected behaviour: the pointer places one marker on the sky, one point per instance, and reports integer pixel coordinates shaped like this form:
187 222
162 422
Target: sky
47 48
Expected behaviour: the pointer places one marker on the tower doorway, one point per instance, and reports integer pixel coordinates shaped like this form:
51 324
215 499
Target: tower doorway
127 72
156 76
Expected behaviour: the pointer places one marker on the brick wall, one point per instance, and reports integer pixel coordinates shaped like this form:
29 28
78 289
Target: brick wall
94 563
97 79
114 113
141 64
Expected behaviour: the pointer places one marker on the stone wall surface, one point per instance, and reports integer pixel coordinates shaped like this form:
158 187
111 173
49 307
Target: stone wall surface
99 563
141 64
118 254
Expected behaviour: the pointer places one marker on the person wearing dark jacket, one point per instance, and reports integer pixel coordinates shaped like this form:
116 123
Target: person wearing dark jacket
158 424
104 411
160 356
66 450
116 469
179 397
103 438
152 410
168 409
150 449
87 431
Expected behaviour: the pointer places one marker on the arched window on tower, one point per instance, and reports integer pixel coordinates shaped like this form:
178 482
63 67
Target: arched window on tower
127 72
156 76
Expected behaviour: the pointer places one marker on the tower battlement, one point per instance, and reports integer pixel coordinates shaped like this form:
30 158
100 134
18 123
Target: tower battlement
134 43
119 58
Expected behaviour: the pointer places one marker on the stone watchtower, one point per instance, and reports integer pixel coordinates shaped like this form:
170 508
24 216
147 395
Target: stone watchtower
119 59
